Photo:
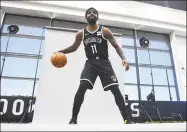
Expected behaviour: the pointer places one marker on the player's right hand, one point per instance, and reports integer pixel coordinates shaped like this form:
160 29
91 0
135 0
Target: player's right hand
125 64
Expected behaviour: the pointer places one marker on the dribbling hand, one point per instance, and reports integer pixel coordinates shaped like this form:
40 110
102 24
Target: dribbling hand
125 64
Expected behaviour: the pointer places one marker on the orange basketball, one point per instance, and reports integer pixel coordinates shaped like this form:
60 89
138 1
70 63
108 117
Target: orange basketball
58 60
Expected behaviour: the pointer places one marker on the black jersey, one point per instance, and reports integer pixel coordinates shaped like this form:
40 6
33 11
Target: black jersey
95 44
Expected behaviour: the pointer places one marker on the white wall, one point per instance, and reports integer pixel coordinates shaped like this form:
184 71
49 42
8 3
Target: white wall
57 87
178 44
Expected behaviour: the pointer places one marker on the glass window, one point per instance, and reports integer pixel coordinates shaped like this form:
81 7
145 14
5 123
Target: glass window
156 44
131 91
170 76
156 58
42 47
159 45
157 41
160 58
21 45
39 68
36 88
173 93
130 76
145 91
127 40
145 75
129 53
16 87
19 67
162 94
159 76
143 57
2 61
26 30
4 40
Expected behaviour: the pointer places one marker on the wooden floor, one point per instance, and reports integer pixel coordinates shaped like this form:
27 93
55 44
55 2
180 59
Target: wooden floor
61 127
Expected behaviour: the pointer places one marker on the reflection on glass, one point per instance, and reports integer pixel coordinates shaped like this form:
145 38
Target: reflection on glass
131 91
34 31
16 87
130 76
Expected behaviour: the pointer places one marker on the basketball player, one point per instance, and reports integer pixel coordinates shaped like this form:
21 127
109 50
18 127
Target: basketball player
95 39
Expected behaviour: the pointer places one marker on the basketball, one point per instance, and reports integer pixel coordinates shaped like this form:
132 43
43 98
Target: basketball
58 60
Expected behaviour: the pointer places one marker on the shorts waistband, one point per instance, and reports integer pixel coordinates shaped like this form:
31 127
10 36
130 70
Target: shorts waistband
97 58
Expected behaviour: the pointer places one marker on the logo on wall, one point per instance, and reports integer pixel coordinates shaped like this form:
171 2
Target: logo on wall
12 109
17 107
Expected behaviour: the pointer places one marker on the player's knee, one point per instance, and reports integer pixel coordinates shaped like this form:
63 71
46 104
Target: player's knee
118 96
115 89
81 90
84 85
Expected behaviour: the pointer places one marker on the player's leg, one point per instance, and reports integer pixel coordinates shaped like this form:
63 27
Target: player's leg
78 100
87 81
120 102
110 82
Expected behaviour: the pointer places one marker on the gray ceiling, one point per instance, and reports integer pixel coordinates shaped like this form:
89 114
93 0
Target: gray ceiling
180 4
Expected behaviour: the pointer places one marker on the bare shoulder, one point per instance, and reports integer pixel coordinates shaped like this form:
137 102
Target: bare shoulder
79 35
107 33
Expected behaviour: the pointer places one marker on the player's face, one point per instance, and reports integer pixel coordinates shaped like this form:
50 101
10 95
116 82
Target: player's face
91 17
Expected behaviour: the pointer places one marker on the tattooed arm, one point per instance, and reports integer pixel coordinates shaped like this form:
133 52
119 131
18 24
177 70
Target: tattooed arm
108 35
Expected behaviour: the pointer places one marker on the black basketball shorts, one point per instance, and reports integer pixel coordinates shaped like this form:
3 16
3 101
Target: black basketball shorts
101 68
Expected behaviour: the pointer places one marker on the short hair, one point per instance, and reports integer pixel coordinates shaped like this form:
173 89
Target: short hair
90 9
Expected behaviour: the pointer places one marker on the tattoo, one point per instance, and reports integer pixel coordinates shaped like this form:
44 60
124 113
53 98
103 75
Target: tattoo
120 53
75 45
114 43
67 50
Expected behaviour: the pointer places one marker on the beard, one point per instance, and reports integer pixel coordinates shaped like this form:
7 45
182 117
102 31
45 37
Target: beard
92 21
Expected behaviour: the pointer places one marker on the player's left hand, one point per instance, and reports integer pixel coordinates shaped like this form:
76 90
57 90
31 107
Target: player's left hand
125 64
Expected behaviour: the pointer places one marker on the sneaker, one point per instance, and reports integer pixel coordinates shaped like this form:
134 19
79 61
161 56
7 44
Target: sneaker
128 122
73 121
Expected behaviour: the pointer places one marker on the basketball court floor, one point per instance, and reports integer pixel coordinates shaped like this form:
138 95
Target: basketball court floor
103 127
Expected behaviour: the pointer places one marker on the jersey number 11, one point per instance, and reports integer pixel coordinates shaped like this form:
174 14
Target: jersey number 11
94 50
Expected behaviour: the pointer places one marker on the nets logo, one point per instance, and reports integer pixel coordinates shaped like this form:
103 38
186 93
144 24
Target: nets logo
114 78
